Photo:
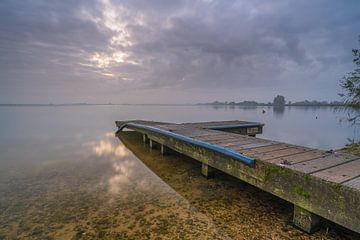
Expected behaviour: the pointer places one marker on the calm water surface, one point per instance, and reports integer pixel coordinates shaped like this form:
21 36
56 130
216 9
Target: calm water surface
64 175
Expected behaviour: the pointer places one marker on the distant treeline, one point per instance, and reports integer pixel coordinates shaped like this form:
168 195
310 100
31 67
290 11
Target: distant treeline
300 103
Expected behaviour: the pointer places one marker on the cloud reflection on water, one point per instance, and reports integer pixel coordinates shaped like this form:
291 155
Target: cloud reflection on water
122 162
128 171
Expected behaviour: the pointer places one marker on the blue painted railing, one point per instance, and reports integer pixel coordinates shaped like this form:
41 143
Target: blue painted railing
244 125
225 151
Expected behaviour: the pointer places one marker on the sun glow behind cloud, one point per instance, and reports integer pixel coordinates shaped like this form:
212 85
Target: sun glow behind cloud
113 20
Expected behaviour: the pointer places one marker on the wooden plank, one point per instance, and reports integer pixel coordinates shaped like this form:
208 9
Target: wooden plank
340 173
270 148
299 157
220 141
234 125
172 127
236 144
319 164
281 153
234 135
211 136
196 132
230 141
353 183
255 145
216 123
222 136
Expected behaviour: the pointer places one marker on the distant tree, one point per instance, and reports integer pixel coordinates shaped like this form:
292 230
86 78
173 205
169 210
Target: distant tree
351 82
279 101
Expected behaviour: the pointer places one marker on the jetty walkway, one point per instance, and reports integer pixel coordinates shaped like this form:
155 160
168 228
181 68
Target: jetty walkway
320 184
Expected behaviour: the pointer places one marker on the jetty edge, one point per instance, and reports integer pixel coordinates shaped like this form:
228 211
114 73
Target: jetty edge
321 184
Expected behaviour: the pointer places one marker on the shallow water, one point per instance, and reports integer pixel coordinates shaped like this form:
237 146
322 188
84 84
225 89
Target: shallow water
64 175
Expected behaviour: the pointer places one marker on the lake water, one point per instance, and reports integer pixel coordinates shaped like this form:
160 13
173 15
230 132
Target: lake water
64 175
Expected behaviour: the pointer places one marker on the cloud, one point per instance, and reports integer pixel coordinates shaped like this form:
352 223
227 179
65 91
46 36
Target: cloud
227 44
102 45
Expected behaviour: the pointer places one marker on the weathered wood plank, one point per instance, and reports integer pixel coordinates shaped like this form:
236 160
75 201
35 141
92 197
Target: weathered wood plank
230 140
224 142
215 123
340 173
319 164
353 183
222 136
193 133
280 153
265 149
299 157
237 144
255 145
172 127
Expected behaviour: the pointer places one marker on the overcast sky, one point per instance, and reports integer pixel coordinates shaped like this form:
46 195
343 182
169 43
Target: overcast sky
178 51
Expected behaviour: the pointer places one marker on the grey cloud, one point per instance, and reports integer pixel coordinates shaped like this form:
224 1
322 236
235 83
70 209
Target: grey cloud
182 44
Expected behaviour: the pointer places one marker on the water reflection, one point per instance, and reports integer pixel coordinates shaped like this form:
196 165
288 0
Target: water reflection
123 163
65 176
231 106
106 146
279 111
107 193
122 190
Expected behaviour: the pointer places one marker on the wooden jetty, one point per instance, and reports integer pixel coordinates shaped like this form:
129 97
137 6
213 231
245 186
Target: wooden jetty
320 184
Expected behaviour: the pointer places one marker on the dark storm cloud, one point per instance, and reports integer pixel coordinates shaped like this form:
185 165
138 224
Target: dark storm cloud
143 44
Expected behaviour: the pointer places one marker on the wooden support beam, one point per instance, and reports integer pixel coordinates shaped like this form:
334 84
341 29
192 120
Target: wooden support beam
207 171
164 150
305 220
145 138
151 144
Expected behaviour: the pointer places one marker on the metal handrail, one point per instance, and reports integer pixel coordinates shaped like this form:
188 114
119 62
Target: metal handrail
217 148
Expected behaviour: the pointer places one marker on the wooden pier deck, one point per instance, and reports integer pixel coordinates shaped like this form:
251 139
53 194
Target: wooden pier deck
320 184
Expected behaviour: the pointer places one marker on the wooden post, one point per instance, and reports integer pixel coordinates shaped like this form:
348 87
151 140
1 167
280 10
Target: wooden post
164 149
145 138
151 144
305 220
207 171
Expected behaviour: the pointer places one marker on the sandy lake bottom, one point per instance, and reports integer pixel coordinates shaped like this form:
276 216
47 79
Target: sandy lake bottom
123 190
